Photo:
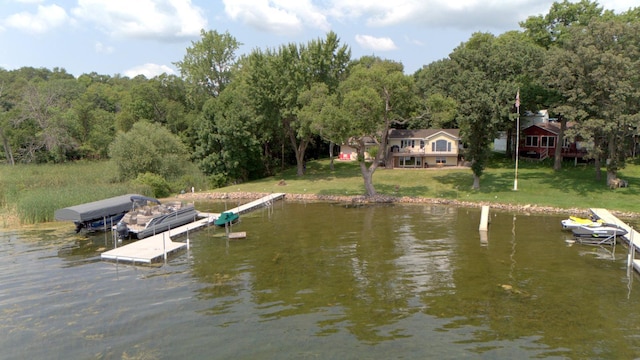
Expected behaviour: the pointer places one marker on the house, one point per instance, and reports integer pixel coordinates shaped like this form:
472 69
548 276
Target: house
350 153
416 148
540 140
423 148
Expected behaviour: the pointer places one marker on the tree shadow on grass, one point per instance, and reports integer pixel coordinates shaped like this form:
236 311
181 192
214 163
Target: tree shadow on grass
322 171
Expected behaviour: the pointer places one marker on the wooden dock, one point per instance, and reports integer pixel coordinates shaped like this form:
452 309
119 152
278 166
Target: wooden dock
262 202
632 237
160 245
157 246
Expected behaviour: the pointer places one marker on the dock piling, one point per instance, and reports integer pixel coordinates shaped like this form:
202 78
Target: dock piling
484 218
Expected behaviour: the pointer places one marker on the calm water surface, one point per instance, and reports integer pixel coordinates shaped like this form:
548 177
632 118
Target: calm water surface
324 281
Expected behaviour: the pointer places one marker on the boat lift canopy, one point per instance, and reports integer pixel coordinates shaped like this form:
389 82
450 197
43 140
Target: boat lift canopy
97 209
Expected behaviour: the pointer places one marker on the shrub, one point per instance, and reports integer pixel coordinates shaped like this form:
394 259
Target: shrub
159 186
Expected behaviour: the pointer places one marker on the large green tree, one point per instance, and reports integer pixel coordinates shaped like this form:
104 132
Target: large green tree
376 95
208 64
551 31
597 73
279 77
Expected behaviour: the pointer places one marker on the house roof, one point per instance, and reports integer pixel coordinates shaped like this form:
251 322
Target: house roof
548 126
421 133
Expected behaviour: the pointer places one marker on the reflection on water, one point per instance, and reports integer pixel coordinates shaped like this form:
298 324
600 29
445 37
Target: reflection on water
320 280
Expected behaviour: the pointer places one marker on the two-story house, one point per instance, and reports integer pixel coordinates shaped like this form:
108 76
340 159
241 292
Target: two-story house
423 148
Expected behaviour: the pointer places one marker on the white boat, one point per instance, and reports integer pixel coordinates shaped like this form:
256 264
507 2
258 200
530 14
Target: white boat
602 231
573 222
149 217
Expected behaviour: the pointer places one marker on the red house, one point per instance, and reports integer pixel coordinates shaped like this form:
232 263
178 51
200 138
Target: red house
539 141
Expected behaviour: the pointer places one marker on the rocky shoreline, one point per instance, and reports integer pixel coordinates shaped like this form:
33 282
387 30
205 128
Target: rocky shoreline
529 208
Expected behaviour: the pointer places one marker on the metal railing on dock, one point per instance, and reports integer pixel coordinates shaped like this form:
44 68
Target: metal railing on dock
630 237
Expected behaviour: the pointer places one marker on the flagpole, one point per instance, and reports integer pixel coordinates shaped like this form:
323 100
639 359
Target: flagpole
515 181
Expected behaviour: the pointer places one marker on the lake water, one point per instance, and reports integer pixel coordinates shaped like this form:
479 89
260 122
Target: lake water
324 281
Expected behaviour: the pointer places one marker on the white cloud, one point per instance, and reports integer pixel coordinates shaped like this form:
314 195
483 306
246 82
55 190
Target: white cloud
277 16
149 70
46 18
375 43
103 49
160 19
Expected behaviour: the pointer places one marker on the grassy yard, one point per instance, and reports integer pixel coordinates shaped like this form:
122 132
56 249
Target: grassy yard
31 193
538 184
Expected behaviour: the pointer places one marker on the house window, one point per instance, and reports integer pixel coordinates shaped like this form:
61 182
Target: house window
548 141
441 160
407 143
421 144
441 146
566 143
531 141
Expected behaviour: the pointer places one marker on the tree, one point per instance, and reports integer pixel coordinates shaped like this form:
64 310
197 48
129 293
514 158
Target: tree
375 95
482 76
207 65
230 136
549 31
280 77
148 148
596 71
44 109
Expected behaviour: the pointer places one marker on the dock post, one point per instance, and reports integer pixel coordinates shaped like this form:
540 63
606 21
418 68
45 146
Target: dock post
164 247
632 251
484 218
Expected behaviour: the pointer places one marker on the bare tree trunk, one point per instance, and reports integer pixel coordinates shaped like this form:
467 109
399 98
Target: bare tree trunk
7 148
557 164
331 145
476 182
367 175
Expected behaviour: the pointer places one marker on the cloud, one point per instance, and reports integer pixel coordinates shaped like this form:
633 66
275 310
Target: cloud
374 43
277 16
45 19
103 49
149 70
166 20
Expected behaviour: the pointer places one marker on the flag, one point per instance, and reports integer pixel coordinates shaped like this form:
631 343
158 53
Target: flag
518 99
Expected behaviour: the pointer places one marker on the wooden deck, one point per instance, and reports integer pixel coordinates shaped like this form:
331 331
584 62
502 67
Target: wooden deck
632 237
160 245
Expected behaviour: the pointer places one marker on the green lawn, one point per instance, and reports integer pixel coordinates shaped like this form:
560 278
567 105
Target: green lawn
538 184
31 193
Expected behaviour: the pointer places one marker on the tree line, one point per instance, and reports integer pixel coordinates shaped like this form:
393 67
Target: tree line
245 117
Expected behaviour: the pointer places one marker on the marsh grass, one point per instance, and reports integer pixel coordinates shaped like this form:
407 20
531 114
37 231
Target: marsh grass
34 192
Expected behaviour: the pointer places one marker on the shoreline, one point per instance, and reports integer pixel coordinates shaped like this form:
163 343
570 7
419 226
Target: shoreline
385 199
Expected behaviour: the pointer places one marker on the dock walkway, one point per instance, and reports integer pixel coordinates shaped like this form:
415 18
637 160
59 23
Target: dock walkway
263 201
632 237
160 245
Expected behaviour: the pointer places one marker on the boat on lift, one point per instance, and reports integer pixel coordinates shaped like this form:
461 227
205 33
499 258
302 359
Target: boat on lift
149 217
573 222
227 218
99 215
603 231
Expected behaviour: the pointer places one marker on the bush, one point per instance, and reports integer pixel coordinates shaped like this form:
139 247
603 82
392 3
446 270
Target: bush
159 186
149 148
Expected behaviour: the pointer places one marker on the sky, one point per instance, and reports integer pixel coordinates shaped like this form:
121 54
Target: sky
146 37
